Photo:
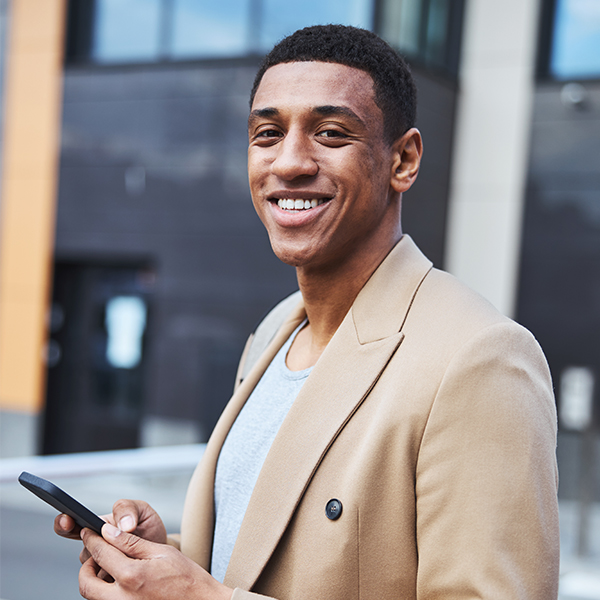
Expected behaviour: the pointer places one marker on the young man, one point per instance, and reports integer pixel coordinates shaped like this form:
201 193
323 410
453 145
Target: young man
396 438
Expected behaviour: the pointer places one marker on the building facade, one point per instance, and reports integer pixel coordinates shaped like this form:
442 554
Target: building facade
159 267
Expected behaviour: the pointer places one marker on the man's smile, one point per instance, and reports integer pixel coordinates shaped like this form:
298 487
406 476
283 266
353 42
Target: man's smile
299 204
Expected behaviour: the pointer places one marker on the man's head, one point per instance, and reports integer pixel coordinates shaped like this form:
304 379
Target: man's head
394 88
331 149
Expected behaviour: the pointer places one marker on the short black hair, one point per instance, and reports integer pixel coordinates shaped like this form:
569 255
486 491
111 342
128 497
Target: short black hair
394 87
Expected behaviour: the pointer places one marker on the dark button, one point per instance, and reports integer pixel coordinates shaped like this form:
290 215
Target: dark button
333 510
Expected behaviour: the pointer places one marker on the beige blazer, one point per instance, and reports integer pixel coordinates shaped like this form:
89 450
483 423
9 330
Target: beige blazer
431 418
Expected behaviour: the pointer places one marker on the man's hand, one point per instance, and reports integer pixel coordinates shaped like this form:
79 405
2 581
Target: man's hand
142 570
131 516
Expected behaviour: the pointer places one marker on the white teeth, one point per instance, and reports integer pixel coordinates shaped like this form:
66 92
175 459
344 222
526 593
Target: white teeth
289 204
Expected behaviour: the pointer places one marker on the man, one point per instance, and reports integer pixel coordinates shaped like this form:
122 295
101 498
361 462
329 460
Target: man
396 438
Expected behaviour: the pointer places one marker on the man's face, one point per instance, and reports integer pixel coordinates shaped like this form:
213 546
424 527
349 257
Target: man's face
318 164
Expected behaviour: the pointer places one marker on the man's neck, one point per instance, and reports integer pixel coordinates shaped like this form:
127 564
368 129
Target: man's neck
328 295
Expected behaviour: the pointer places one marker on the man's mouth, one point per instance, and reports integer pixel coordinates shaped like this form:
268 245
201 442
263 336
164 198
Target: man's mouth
300 204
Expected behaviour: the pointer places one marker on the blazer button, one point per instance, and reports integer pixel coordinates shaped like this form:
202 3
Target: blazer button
333 510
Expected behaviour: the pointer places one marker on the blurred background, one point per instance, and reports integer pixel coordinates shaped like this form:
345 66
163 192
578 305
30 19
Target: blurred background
133 267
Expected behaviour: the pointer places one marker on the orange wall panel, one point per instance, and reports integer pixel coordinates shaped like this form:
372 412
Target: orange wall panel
30 149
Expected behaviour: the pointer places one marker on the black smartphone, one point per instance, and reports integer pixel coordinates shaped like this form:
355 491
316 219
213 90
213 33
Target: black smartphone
60 500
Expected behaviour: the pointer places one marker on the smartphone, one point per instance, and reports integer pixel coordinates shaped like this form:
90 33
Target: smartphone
60 500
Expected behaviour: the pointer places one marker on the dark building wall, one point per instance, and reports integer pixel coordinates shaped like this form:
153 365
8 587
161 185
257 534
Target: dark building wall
153 170
424 209
559 296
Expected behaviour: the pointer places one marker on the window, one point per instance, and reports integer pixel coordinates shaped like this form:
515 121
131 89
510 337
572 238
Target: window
427 32
125 323
575 40
282 17
126 31
114 31
207 29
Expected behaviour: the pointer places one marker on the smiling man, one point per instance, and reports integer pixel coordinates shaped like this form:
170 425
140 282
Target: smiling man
316 136
395 437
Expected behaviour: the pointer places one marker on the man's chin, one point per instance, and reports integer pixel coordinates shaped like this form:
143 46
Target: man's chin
293 255
289 258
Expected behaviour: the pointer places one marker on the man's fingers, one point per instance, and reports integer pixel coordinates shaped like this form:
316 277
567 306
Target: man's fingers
129 544
138 517
102 574
65 526
84 555
113 550
90 585
126 514
111 556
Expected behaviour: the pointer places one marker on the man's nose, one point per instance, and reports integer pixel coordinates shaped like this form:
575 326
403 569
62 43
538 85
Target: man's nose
295 158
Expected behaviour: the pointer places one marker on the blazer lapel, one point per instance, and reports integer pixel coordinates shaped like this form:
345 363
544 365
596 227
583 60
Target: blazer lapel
197 523
347 370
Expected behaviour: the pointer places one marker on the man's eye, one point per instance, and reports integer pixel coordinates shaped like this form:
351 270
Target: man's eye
331 133
268 133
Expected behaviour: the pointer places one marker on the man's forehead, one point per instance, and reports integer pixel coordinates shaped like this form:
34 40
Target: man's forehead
311 65
319 86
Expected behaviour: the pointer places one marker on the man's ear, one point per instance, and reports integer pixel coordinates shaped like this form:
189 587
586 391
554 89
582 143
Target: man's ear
408 150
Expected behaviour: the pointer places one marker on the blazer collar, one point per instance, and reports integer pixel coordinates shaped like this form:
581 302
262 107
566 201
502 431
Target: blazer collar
382 306
345 373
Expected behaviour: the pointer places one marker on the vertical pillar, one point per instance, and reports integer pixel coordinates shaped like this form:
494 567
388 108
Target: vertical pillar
30 150
491 147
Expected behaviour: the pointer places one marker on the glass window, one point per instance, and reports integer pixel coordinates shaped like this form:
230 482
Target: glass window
280 17
575 52
401 24
126 31
125 323
408 25
120 31
426 31
209 28
437 27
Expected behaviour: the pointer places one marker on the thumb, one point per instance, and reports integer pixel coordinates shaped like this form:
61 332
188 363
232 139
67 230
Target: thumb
126 514
129 544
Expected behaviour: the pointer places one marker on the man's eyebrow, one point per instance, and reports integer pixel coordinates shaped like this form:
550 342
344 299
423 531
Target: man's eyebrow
262 113
324 111
328 110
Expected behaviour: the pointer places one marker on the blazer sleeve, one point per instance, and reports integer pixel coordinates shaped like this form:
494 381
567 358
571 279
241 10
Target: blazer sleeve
486 476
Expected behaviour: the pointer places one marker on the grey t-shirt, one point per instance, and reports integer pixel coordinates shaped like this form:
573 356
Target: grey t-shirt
245 450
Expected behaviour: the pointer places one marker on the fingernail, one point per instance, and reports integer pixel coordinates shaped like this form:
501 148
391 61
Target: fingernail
126 523
64 523
111 530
